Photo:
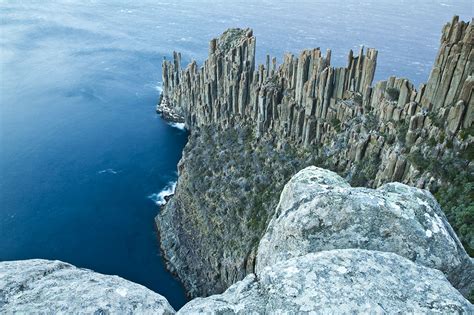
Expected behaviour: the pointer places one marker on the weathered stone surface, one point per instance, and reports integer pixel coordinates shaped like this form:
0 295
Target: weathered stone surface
243 297
455 116
338 282
318 211
44 287
167 112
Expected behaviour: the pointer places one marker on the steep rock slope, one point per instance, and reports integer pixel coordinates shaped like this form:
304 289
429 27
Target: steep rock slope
253 127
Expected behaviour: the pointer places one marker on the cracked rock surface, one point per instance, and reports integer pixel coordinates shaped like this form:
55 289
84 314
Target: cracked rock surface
340 281
319 210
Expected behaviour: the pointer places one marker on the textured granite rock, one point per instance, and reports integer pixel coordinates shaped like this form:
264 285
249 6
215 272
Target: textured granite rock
343 281
45 287
243 297
319 210
308 113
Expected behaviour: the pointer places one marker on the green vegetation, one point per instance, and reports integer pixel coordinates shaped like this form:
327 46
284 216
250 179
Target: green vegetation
419 160
466 132
402 130
449 144
365 171
392 94
467 153
442 136
358 99
371 122
455 195
336 124
432 142
435 119
457 201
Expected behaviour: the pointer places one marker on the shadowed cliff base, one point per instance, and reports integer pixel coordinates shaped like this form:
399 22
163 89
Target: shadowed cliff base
252 128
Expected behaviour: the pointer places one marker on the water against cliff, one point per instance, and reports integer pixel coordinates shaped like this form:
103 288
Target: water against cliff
81 148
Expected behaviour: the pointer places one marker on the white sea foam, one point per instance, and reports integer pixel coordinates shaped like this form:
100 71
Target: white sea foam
159 198
180 126
159 87
108 171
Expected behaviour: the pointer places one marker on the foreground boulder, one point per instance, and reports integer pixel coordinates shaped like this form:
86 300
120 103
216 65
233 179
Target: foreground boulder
339 281
319 210
45 287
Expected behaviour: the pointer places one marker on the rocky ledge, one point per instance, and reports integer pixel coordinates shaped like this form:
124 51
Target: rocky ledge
40 286
168 113
329 248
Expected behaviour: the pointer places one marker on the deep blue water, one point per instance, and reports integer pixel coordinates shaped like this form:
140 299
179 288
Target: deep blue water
81 149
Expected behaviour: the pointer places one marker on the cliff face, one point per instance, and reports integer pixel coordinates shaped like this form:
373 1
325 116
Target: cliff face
253 127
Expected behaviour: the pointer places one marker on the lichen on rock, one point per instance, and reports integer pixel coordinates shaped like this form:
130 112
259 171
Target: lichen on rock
39 286
342 281
319 210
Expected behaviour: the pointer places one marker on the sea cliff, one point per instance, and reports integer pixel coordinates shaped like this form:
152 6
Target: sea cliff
253 127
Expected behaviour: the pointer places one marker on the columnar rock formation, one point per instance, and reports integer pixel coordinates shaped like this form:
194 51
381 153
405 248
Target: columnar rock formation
305 99
255 126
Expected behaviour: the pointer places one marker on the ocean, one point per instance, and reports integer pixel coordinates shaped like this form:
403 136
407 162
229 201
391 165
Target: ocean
84 159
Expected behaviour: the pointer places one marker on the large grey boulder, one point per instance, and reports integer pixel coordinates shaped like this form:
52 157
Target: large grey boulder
319 210
243 297
339 282
46 287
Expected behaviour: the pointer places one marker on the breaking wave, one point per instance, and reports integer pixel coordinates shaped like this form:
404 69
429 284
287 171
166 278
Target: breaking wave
180 126
108 171
159 87
159 198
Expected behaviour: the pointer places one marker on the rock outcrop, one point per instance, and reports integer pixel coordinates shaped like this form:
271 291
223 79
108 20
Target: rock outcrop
252 127
40 286
319 211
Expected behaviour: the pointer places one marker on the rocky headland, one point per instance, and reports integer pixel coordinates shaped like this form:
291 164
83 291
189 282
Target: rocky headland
253 127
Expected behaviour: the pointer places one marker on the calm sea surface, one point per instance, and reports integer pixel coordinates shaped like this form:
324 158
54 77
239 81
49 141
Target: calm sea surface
81 148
